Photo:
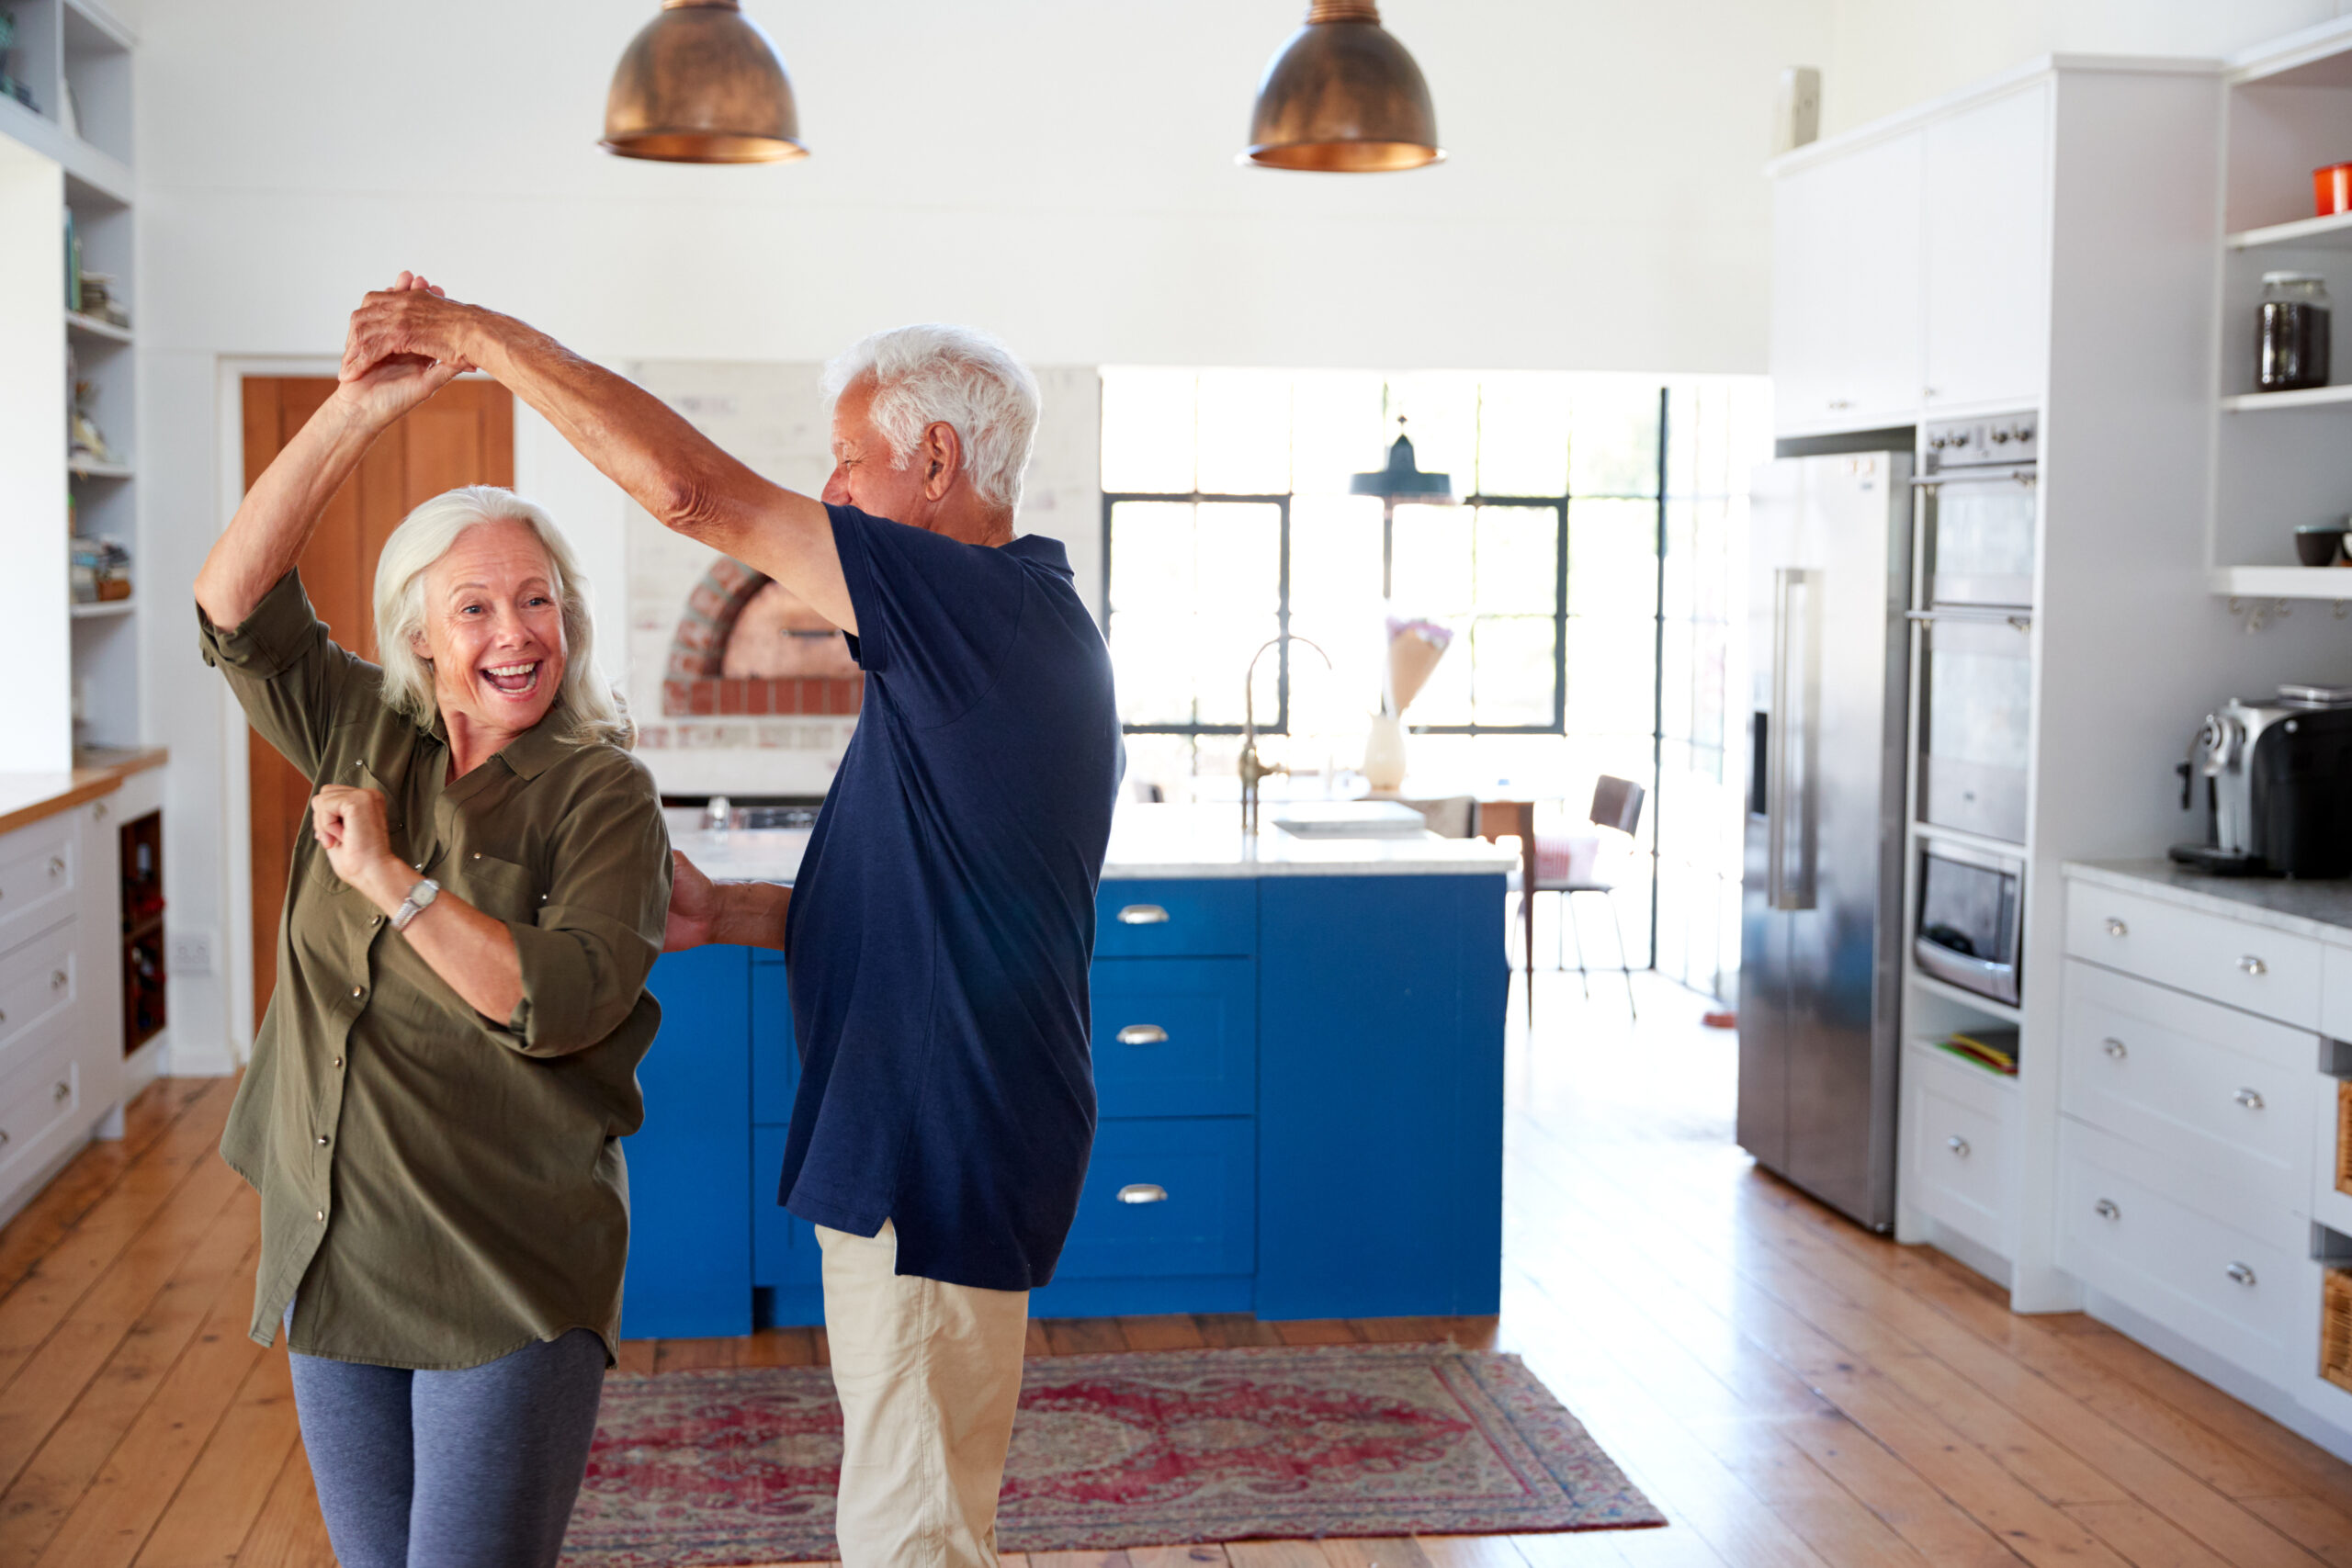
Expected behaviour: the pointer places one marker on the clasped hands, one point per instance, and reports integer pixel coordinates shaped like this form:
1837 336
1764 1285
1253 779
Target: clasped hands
404 344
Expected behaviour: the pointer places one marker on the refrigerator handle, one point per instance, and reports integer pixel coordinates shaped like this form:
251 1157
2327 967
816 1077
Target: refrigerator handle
1782 890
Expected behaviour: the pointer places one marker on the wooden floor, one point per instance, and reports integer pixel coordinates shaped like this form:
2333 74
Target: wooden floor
1788 1389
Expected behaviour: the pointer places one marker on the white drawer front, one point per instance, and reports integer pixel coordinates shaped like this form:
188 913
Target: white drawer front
2223 1093
40 985
38 1100
2264 971
40 872
2335 991
1957 1173
2239 1295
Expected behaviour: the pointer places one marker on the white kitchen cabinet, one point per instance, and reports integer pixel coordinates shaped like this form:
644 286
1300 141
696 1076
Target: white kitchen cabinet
1846 293
1986 253
1961 1121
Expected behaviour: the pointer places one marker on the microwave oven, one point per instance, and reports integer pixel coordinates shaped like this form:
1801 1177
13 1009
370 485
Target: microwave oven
1970 922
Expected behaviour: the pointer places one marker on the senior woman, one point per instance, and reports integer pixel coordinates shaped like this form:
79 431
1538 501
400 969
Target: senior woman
435 1101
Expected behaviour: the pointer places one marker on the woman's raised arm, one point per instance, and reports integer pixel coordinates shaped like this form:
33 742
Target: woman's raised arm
282 510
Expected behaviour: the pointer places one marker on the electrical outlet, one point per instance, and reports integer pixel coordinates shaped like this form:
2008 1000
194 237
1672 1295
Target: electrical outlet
191 953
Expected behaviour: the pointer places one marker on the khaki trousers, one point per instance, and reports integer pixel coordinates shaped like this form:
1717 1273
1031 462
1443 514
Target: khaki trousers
928 1375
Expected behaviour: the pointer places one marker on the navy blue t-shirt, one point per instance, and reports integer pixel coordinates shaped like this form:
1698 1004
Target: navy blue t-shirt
942 921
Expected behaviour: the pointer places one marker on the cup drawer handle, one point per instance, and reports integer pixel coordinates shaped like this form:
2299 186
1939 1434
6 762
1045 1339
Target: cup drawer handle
2105 1210
1143 915
1143 1192
1143 1034
2252 966
2117 928
2116 1050
2242 1274
2250 1098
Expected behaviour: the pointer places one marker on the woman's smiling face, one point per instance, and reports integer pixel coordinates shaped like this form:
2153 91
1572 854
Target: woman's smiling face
493 628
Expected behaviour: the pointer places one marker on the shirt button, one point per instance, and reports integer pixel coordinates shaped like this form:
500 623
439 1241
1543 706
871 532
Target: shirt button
357 991
419 865
338 1061
323 1140
477 854
375 920
322 1216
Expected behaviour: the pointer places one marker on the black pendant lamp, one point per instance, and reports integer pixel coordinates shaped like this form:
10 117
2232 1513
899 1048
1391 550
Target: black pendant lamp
1403 480
1342 96
701 84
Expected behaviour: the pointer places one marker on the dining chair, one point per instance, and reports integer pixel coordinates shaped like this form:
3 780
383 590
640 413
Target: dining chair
1565 864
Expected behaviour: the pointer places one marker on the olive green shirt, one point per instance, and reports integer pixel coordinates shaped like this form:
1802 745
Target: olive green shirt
444 1187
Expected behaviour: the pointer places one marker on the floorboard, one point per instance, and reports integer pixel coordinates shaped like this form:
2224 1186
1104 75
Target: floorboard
1791 1389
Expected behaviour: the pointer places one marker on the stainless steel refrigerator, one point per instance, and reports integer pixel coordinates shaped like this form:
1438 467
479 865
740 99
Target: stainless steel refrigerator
1829 564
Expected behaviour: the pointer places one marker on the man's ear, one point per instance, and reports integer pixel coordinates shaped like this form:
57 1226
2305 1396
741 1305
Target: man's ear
941 455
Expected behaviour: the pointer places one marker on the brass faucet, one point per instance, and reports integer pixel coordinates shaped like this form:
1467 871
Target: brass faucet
1253 770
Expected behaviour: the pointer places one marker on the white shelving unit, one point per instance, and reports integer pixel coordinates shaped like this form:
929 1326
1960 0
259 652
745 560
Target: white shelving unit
67 152
2286 110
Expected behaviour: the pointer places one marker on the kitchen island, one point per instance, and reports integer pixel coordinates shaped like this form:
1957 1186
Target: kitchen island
1298 1056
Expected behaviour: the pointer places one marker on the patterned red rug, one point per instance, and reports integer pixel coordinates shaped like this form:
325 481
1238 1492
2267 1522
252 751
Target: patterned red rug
1116 1450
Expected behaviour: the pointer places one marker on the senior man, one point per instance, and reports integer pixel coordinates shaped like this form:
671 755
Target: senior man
944 919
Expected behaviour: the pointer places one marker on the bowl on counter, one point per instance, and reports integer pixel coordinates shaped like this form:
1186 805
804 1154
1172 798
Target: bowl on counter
2318 544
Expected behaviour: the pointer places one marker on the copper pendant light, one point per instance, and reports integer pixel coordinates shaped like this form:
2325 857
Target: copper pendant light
701 84
1344 97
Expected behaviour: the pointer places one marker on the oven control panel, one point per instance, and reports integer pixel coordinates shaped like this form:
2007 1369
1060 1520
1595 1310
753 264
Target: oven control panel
1973 443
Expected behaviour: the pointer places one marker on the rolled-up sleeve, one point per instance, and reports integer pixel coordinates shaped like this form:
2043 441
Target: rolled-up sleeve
289 675
586 957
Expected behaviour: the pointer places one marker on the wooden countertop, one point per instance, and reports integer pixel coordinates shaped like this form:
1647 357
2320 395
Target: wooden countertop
26 798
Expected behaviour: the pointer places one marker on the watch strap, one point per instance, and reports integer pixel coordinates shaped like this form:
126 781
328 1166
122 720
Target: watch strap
420 898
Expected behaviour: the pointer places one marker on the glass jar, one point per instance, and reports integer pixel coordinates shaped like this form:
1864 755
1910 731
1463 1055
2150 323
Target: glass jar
2292 350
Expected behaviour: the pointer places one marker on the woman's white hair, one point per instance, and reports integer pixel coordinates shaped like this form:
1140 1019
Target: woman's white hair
927 374
593 710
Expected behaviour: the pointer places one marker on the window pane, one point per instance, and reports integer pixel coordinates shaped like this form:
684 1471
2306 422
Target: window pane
1244 431
1612 556
1147 431
1228 637
1239 567
1612 445
1338 429
1513 678
1152 654
1445 697
1433 561
1152 555
1518 562
1335 600
1523 435
1611 689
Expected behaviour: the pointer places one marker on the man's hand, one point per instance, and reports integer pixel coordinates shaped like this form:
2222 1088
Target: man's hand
694 905
379 393
350 823
414 320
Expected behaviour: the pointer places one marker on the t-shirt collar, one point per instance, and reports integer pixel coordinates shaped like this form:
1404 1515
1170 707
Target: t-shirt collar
1043 549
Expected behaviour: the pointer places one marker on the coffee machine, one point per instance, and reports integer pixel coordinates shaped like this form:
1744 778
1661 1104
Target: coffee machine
2279 786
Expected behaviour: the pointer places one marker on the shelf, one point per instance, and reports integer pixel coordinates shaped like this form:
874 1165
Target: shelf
91 326
80 468
1967 999
2332 233
104 609
2264 403
1935 1047
96 176
2282 582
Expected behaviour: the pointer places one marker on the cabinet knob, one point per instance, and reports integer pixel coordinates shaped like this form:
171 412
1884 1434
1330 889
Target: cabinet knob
1957 1144
57 980
98 811
57 865
2117 928
1143 915
2116 1050
2105 1210
1840 403
63 1092
1143 1034
3 1137
1143 1192
2253 966
2250 1098
2242 1274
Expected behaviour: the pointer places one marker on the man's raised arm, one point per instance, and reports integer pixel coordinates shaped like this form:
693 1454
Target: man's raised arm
670 468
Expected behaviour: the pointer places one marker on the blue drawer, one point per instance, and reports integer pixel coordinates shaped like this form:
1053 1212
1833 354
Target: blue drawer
1175 1036
784 1245
1207 1223
1177 919
775 1060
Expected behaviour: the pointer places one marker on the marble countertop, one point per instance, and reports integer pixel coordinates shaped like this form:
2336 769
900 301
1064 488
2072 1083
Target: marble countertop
2321 910
1158 841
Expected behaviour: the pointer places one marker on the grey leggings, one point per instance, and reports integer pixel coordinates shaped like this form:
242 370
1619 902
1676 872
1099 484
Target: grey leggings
472 1469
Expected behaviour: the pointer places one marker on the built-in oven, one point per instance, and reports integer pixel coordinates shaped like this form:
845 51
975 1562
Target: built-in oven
1970 918
1978 520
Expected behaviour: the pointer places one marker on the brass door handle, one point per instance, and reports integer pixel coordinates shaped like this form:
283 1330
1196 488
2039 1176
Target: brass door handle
1143 1034
1143 1192
1143 915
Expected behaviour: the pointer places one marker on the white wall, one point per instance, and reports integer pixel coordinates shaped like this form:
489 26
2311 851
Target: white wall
1059 171
1886 55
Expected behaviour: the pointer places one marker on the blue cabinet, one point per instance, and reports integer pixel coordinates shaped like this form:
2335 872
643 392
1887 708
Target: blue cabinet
1300 1088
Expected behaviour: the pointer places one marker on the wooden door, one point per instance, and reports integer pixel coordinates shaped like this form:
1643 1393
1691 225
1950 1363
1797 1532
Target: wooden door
465 436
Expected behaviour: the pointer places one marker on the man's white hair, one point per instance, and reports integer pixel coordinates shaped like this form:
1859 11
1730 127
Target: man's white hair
591 710
960 376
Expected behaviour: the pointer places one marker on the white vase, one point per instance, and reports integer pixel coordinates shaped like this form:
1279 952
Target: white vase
1384 753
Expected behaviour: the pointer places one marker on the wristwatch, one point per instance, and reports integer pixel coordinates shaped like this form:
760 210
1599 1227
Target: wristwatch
420 898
